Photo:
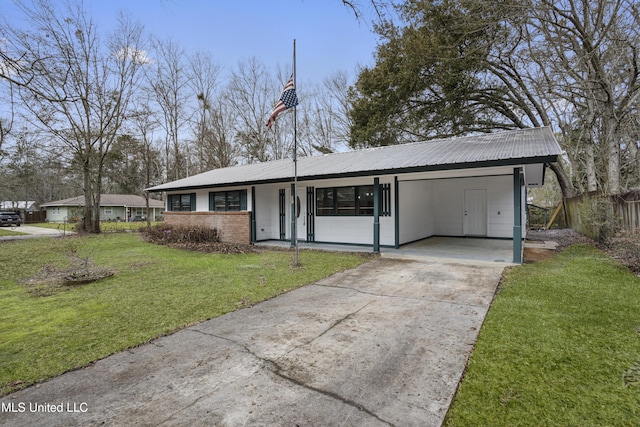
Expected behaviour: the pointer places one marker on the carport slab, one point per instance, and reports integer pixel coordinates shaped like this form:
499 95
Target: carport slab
383 344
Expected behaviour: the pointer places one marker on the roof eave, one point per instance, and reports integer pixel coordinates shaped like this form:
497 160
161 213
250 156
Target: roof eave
355 174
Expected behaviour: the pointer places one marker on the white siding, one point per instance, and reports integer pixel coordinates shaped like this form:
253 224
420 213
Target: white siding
416 210
429 204
267 226
448 199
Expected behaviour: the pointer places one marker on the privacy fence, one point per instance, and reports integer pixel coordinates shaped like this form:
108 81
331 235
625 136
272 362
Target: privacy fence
598 216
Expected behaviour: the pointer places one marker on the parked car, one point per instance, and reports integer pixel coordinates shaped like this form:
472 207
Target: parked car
10 219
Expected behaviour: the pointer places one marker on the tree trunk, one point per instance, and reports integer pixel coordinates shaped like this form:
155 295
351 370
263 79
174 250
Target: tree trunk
87 221
590 164
563 180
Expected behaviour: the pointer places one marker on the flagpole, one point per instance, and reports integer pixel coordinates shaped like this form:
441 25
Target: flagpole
295 162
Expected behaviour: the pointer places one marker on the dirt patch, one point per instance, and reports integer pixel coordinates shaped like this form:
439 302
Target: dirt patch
563 237
51 280
537 254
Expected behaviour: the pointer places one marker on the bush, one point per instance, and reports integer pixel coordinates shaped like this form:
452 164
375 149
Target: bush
598 219
164 234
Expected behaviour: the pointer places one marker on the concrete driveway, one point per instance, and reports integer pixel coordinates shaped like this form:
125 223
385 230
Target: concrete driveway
31 231
384 344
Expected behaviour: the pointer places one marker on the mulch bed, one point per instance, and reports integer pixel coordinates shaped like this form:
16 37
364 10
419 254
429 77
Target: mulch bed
216 248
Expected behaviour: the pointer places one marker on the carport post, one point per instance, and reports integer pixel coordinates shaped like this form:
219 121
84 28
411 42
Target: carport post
517 216
376 215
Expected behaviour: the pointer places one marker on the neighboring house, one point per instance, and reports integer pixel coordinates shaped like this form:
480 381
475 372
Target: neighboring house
113 207
386 196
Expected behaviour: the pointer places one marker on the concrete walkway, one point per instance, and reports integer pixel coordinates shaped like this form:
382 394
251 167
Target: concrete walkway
384 344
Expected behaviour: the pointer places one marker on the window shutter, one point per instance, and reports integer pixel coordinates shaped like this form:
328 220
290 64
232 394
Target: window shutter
169 202
193 201
211 203
243 200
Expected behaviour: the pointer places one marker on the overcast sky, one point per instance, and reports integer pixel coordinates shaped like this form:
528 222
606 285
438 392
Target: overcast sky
328 36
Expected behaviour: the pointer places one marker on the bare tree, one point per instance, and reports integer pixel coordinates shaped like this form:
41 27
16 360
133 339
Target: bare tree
212 123
251 94
144 125
325 123
587 53
169 83
74 85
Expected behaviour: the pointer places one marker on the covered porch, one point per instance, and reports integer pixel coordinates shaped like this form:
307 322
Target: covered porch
462 248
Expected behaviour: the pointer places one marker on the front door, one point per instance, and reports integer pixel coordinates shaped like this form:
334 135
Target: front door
475 213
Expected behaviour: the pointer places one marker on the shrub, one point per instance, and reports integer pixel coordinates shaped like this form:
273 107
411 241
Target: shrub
598 219
164 234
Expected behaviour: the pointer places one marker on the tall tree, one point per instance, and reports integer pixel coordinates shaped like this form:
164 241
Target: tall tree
75 85
476 66
169 83
325 124
211 124
251 94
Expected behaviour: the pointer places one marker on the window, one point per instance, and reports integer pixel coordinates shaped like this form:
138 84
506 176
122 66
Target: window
345 201
108 210
324 201
181 202
228 201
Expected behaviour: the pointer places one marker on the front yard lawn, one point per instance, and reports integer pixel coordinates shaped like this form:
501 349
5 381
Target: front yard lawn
156 290
10 231
560 347
106 226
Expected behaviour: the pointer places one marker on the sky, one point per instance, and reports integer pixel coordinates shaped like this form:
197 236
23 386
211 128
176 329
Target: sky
328 35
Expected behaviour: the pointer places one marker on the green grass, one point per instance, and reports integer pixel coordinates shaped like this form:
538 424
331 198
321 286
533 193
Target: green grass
555 347
10 231
156 290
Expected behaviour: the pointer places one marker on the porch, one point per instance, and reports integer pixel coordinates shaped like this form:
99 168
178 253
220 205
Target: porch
463 248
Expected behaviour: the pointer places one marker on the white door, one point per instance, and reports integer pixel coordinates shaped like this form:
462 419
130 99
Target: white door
475 213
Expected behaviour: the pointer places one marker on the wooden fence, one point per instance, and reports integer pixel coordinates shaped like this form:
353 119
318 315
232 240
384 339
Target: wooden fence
34 216
593 214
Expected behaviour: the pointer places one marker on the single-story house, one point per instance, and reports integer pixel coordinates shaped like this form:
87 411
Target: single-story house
386 196
113 207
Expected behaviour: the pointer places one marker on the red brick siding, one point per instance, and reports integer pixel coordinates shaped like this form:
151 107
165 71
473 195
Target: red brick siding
234 227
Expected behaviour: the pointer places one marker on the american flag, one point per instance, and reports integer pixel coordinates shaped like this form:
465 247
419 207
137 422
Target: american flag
287 100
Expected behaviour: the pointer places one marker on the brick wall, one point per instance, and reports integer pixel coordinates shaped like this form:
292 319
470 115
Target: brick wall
234 227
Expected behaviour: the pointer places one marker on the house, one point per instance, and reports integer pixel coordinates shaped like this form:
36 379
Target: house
385 196
113 207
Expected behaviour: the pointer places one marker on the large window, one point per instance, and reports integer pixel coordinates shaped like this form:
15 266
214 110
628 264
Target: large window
181 202
345 201
228 201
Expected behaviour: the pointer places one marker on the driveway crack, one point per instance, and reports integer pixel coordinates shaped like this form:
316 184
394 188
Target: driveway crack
363 292
278 372
277 369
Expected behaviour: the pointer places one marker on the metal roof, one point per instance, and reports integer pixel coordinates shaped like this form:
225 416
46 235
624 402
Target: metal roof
522 146
130 200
